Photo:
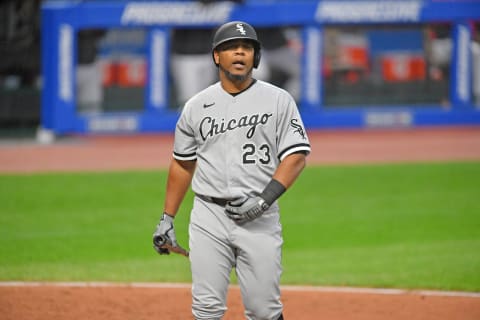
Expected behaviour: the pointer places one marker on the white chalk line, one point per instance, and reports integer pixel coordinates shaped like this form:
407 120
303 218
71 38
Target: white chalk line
166 285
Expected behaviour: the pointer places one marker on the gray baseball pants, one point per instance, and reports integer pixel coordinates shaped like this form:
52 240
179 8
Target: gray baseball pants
217 245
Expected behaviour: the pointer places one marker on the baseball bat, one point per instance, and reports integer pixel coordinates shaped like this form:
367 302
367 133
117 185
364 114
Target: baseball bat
165 245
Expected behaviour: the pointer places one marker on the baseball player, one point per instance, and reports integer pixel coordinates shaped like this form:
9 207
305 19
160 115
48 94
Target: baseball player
240 144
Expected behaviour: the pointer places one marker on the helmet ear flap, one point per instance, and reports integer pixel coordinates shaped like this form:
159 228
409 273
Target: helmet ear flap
256 57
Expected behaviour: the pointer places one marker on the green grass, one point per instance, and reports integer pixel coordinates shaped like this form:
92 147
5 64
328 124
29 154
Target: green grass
404 226
390 226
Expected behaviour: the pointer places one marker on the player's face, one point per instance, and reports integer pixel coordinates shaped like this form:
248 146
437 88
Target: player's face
235 59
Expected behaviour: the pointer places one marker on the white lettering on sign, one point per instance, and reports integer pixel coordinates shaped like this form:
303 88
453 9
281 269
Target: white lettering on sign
65 58
369 11
175 12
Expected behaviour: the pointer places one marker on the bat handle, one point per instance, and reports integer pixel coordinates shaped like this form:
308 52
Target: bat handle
160 240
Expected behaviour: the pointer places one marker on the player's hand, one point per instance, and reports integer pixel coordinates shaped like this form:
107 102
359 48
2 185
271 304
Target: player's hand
164 238
244 210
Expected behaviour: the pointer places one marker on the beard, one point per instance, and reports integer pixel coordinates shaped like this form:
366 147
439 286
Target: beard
236 77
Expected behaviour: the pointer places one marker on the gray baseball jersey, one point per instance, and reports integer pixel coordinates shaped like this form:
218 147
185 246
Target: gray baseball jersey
238 141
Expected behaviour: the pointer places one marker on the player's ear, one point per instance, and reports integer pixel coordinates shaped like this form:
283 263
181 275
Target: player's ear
216 57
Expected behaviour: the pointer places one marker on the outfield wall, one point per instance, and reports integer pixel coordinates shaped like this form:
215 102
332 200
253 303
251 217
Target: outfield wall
62 20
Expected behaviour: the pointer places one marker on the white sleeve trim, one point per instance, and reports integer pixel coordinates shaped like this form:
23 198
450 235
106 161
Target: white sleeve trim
307 149
185 157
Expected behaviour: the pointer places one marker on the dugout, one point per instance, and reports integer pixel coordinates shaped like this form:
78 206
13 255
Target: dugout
364 63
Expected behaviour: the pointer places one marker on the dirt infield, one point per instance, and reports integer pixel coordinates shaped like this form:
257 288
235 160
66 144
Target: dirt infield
42 302
148 152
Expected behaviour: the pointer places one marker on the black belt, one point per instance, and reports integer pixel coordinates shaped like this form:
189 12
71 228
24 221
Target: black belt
218 201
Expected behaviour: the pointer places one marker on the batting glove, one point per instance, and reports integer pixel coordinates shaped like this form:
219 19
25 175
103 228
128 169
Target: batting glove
164 235
243 210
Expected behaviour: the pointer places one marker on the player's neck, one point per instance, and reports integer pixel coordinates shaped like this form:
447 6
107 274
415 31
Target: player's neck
232 83
234 87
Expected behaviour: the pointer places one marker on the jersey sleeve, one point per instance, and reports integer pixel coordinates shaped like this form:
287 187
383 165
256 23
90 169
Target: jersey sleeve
184 147
291 134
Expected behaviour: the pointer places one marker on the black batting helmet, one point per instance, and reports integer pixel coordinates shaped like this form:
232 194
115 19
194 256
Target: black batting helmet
237 30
